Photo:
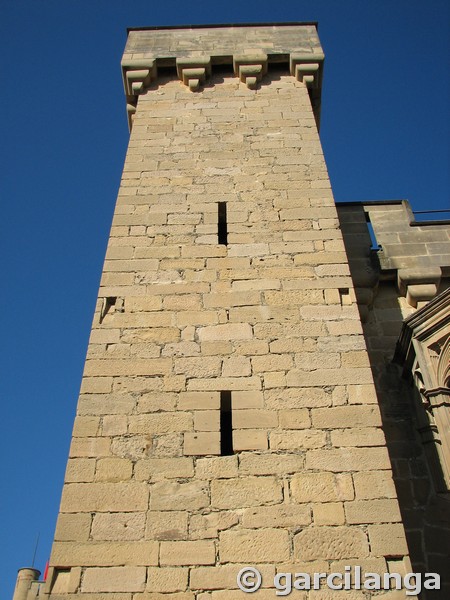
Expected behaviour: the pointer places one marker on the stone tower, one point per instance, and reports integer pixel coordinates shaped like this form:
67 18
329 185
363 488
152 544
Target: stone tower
227 414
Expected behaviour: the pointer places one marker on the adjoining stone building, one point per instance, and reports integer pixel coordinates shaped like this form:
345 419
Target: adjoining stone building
261 386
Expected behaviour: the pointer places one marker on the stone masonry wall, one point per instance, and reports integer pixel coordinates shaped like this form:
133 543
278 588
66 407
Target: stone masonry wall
150 509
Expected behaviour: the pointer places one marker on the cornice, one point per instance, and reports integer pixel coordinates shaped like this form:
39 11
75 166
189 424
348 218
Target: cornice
139 73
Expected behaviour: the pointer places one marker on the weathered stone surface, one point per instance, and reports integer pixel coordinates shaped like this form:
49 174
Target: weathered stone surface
107 553
114 579
151 508
331 543
73 527
281 515
171 525
249 491
321 487
105 497
167 579
178 496
387 540
118 526
200 552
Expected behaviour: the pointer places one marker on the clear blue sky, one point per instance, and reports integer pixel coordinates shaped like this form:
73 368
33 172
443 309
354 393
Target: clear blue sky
385 131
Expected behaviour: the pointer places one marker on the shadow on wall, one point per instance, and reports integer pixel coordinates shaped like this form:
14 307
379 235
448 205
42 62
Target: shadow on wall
425 512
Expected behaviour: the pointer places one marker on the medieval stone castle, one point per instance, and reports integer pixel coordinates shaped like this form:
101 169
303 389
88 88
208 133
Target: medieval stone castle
267 381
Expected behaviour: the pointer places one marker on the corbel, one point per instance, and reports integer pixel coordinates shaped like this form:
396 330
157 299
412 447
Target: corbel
306 68
137 75
418 285
193 71
250 68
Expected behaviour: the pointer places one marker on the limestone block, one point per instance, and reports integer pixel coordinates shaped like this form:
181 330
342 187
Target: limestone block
321 377
254 418
104 497
105 554
96 385
224 576
80 470
216 467
208 526
206 420
216 348
199 366
114 367
355 358
114 425
311 361
362 394
376 484
250 250
201 443
167 579
154 469
321 487
294 419
169 495
297 399
266 545
90 446
272 362
170 525
73 527
104 336
250 439
227 331
251 399
347 416
114 579
332 543
362 436
154 423
270 464
274 379
225 383
343 459
249 491
113 469
373 511
198 552
198 400
104 404
281 515
331 513
236 366
387 540
231 299
297 439
118 526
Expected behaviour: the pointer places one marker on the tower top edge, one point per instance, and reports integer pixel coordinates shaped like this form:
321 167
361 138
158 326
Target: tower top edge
225 25
272 39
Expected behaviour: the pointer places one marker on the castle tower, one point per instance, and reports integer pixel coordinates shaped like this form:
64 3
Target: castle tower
227 413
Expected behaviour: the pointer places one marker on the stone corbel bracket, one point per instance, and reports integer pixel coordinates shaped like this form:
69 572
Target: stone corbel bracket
193 71
250 68
418 285
137 75
308 68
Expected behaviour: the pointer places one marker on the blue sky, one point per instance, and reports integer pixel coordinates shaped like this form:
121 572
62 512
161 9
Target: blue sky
63 136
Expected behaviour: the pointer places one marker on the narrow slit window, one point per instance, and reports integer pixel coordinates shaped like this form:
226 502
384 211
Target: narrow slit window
222 229
226 424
